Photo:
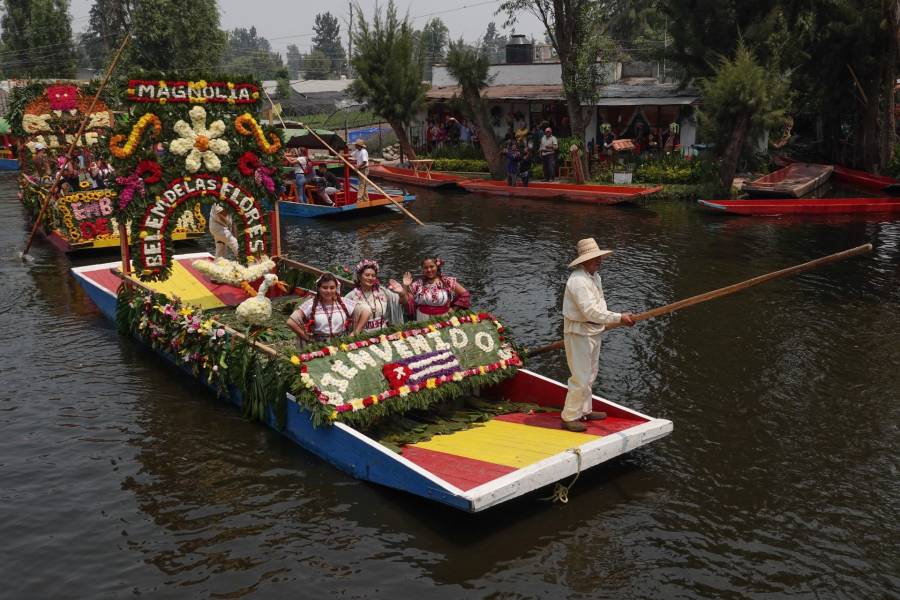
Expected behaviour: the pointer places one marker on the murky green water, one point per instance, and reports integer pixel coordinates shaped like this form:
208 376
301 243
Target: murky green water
118 478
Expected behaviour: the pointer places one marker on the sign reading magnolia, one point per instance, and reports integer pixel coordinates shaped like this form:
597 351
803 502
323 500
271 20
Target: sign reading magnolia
360 374
222 92
156 221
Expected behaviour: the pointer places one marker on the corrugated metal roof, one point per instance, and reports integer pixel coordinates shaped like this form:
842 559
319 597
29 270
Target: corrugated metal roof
503 92
627 93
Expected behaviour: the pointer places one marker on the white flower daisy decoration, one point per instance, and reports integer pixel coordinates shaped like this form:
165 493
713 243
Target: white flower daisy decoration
201 145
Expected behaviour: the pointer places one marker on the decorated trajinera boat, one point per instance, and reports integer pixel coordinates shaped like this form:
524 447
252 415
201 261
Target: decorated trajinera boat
344 203
440 408
81 216
427 178
572 192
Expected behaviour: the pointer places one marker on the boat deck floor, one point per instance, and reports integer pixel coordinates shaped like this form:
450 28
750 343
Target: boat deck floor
506 443
186 282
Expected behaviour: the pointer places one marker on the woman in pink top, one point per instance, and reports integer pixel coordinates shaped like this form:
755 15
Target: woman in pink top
433 294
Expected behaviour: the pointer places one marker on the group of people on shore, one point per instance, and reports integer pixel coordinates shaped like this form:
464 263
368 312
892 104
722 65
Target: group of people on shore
519 157
371 306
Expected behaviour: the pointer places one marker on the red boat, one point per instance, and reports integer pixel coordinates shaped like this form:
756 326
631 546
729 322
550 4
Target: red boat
427 179
804 206
573 192
866 180
795 180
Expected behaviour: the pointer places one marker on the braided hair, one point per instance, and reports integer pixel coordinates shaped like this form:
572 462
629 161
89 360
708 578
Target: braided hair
325 278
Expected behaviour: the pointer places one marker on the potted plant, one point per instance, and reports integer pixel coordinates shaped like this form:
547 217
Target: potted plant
623 171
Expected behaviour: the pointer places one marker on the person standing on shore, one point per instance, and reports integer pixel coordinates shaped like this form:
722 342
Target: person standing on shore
549 148
362 165
585 317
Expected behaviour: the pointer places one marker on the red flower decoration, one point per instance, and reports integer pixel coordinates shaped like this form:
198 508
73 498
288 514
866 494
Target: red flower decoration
248 163
149 171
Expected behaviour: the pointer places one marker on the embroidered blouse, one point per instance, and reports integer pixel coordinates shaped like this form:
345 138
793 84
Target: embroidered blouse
329 321
383 304
435 297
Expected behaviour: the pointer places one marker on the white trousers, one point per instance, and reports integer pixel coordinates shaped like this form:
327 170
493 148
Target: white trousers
583 357
225 239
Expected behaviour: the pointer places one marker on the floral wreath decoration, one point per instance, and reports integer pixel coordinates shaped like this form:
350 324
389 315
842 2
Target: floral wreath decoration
178 129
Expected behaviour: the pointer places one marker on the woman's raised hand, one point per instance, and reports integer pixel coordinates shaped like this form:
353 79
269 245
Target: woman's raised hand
407 279
395 286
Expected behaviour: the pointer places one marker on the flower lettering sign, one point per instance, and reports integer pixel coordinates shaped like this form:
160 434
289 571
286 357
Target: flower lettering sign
411 366
194 92
152 250
193 139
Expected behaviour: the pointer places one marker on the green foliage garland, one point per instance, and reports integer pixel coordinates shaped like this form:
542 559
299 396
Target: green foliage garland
193 340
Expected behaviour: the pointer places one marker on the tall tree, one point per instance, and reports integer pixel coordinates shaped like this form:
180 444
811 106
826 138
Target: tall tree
327 39
494 44
742 98
434 37
316 65
109 21
294 61
248 52
37 39
471 67
388 64
575 29
179 35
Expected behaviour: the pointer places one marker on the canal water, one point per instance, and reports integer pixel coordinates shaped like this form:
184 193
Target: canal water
119 478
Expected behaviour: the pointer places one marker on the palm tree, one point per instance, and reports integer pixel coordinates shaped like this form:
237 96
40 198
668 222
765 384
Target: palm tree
470 66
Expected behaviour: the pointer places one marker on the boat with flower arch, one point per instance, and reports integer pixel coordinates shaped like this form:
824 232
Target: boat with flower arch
80 217
333 398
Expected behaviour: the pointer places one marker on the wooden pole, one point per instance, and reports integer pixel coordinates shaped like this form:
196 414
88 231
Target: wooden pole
54 187
365 177
725 291
311 269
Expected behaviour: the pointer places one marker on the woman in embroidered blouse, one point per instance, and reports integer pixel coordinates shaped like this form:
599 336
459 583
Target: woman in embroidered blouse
326 315
433 293
383 304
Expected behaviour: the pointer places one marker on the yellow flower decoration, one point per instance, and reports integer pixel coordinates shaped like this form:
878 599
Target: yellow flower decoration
295 360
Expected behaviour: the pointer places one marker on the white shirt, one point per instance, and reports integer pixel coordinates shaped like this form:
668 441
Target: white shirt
584 306
362 157
330 319
217 213
549 144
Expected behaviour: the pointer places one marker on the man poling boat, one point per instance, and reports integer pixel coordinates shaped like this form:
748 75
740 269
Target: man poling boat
586 317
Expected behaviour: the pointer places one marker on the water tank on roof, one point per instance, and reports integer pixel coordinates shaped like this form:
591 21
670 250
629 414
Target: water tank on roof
519 51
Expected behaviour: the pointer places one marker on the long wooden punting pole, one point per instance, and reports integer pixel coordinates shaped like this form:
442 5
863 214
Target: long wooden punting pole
347 163
725 291
364 177
54 187
311 269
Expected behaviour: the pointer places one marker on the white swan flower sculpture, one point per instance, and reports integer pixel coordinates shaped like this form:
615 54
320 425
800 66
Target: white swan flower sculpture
258 309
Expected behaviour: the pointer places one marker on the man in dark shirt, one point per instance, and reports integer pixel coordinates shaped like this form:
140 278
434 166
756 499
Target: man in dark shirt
326 185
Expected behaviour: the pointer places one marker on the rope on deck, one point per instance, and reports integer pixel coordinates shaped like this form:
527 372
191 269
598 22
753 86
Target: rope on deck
561 492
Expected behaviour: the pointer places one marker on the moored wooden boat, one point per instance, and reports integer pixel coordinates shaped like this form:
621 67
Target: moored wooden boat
572 192
865 180
794 181
428 179
804 206
471 469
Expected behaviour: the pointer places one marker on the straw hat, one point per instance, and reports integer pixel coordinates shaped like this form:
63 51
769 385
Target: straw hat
588 249
359 144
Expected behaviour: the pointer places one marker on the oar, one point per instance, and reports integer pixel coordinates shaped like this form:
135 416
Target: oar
54 187
737 287
311 269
